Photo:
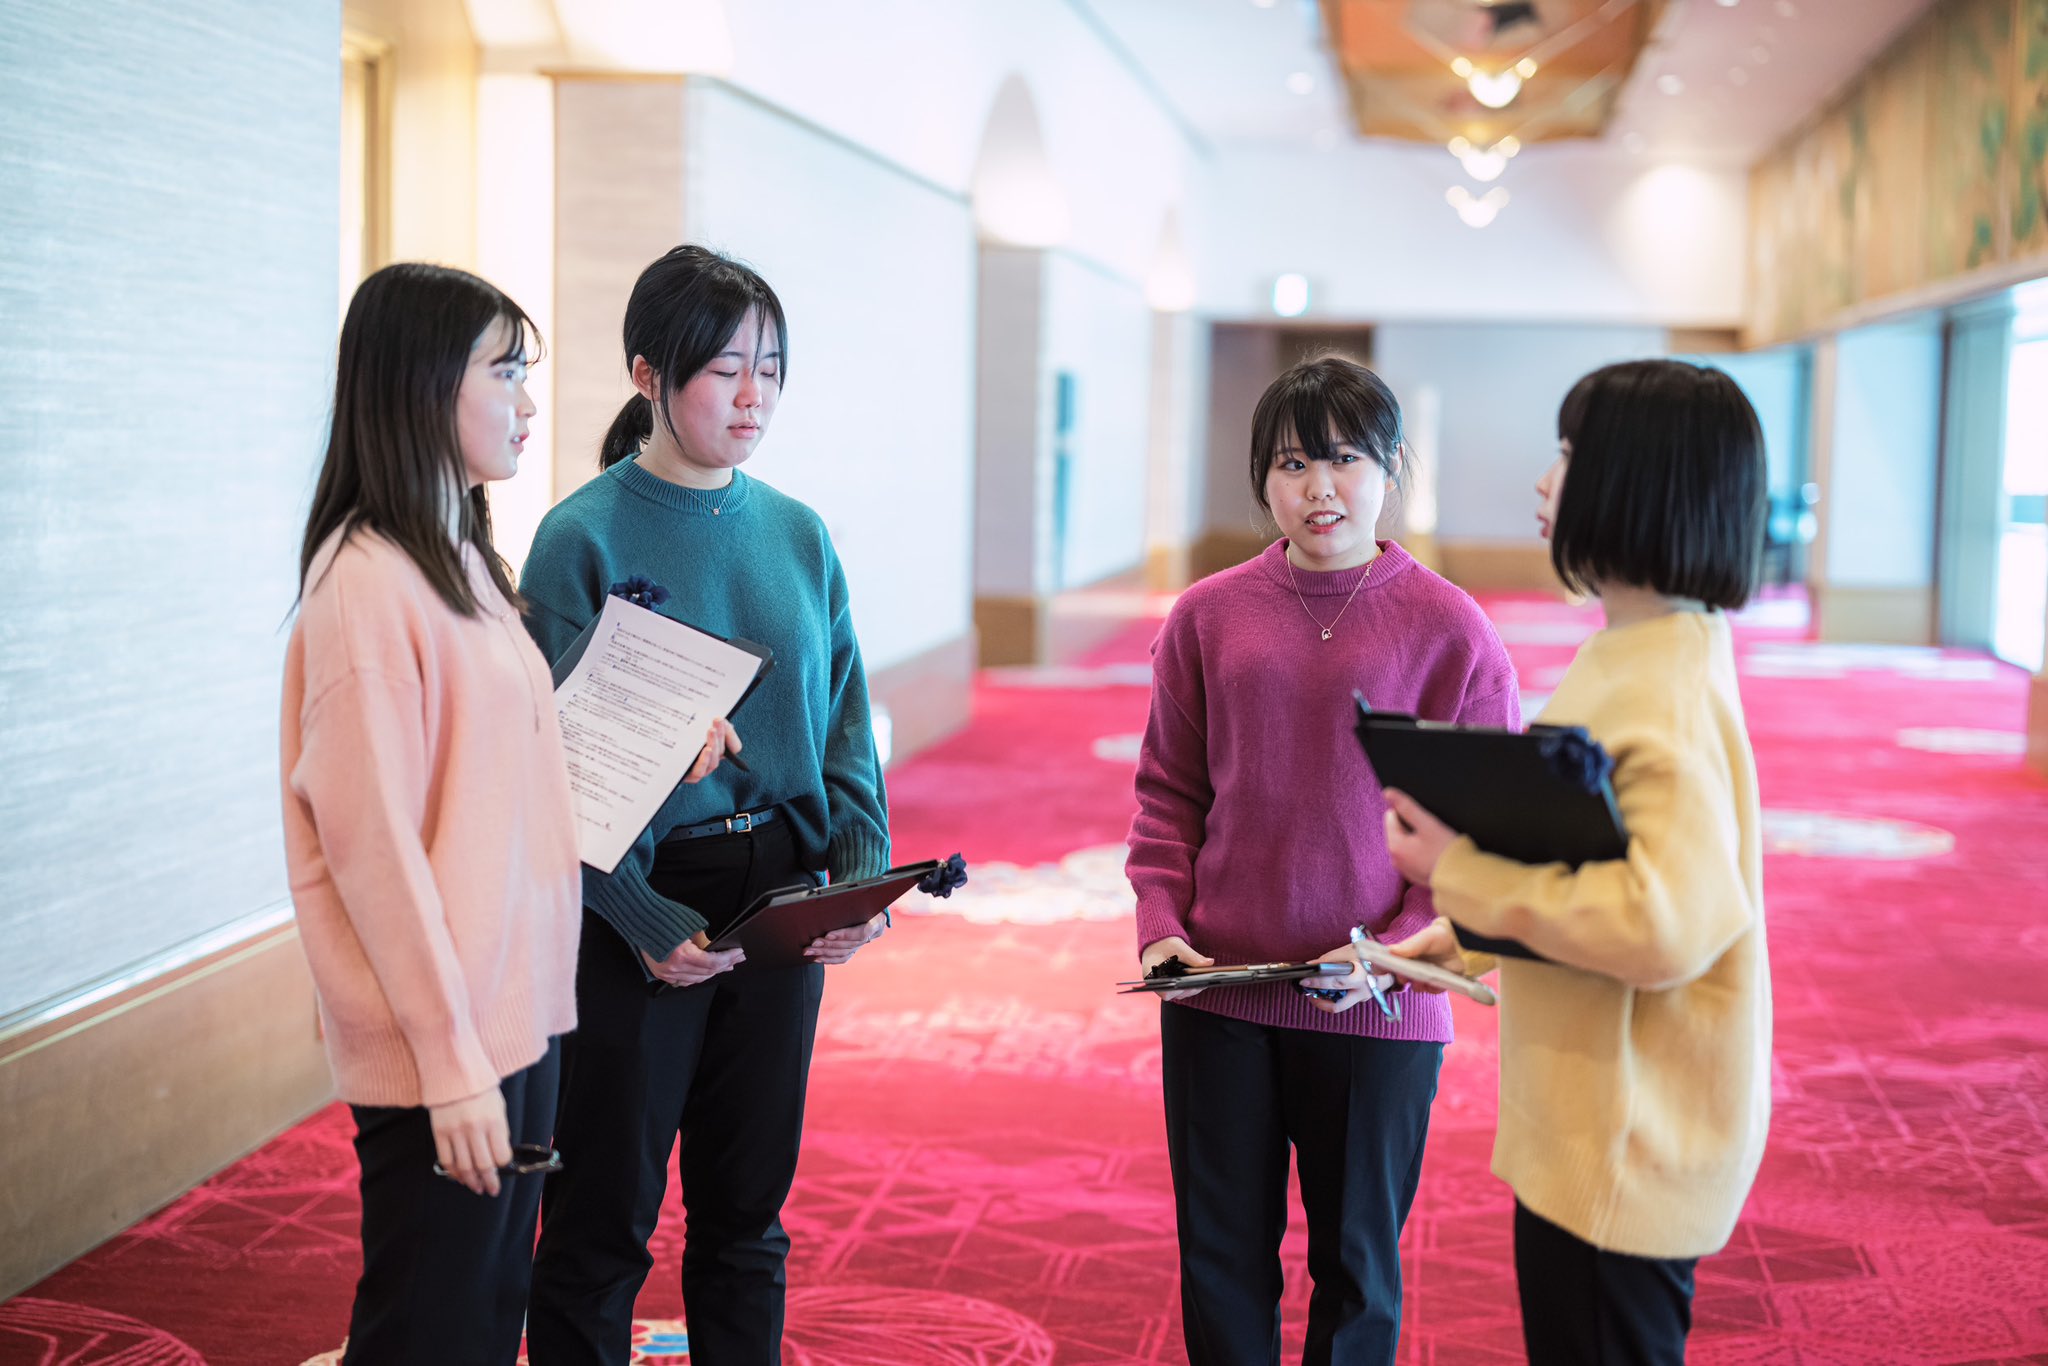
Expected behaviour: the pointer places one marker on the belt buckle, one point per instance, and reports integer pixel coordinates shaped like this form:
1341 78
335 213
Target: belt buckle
740 824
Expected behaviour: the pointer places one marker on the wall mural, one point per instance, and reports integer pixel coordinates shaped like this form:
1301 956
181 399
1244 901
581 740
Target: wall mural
1932 165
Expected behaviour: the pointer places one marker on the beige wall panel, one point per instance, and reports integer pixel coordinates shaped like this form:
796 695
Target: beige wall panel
116 1110
618 205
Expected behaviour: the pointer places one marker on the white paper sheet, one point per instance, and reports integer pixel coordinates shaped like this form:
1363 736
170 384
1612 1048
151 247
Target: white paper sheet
635 713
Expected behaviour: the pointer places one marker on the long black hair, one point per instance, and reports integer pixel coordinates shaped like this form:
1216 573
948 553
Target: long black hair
1322 403
393 448
683 310
1665 487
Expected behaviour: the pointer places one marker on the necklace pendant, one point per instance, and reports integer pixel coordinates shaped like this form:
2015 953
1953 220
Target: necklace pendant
716 511
1326 633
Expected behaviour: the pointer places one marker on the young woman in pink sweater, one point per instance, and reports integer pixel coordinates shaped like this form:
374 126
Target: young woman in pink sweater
1259 837
428 833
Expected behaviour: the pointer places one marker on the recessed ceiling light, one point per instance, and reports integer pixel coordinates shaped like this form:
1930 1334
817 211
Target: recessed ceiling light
1738 75
1671 83
1301 83
1787 10
1728 4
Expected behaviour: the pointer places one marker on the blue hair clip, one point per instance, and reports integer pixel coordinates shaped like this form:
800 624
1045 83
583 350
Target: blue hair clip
1576 757
641 591
943 880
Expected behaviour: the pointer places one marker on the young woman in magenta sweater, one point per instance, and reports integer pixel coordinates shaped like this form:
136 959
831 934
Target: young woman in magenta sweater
428 834
1259 837
1635 1063
673 1041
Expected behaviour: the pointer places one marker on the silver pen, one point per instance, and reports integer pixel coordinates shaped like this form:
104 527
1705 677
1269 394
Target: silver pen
1389 1006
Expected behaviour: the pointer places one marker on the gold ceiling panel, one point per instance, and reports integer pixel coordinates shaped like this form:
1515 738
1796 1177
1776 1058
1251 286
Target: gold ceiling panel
1398 57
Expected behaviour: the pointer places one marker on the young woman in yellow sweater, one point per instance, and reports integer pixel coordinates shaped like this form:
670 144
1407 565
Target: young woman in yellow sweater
1635 1050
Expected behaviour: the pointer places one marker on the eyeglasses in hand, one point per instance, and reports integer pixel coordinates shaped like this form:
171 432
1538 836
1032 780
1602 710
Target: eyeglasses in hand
527 1160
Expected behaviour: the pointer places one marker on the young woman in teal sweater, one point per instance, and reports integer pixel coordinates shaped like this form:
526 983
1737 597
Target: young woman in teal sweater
672 1040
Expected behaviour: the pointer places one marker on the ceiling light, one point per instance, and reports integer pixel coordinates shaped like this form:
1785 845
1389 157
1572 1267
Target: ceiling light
1495 92
1301 83
1460 68
1526 68
1476 211
1671 83
1738 75
1481 164
1727 4
1290 296
1265 4
1787 10
1760 54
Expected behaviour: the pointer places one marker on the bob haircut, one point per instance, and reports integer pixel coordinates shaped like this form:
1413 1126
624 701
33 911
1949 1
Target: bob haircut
683 310
1323 403
393 449
1665 487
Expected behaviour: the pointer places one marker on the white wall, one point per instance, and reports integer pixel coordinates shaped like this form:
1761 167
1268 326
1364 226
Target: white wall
1099 329
1589 235
875 428
914 81
168 248
1885 448
1497 389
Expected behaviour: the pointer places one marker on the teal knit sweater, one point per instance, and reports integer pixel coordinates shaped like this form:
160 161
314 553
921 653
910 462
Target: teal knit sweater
763 569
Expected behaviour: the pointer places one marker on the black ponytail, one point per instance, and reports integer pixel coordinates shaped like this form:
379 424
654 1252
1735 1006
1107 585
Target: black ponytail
683 310
628 432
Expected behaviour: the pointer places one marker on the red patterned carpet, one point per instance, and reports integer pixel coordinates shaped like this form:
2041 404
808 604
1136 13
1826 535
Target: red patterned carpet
985 1179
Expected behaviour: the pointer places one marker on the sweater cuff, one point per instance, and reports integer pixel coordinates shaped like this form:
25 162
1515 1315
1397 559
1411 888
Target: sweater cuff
643 917
855 854
1157 922
1470 886
453 1067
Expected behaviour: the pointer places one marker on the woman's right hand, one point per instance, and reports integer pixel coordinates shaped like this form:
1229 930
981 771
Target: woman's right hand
472 1139
692 962
721 741
1173 946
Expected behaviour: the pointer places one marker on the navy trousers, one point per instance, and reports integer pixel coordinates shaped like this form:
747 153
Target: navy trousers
445 1272
722 1066
1355 1113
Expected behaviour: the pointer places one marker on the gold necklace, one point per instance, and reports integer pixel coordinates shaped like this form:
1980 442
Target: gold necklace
1327 630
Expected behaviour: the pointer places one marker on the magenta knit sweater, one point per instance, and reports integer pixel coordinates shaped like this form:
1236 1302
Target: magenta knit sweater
1259 835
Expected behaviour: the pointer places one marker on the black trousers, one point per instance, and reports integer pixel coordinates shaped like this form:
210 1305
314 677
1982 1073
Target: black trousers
1356 1112
722 1065
444 1271
1585 1307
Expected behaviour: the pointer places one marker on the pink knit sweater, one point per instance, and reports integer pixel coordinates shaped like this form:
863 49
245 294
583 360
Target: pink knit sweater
1260 831
428 831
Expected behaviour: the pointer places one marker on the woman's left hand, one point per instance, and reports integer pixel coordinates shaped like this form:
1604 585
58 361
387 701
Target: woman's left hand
841 945
1415 839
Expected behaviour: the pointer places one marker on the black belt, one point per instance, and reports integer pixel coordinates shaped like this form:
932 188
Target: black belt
728 825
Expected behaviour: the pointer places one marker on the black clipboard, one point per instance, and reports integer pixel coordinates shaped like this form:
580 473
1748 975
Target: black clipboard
1233 975
563 667
1499 787
777 928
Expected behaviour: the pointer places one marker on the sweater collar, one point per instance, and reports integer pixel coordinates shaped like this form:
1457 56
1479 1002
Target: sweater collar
1392 561
691 502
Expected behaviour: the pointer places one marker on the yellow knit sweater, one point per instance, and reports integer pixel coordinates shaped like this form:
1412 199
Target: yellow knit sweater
1635 1066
